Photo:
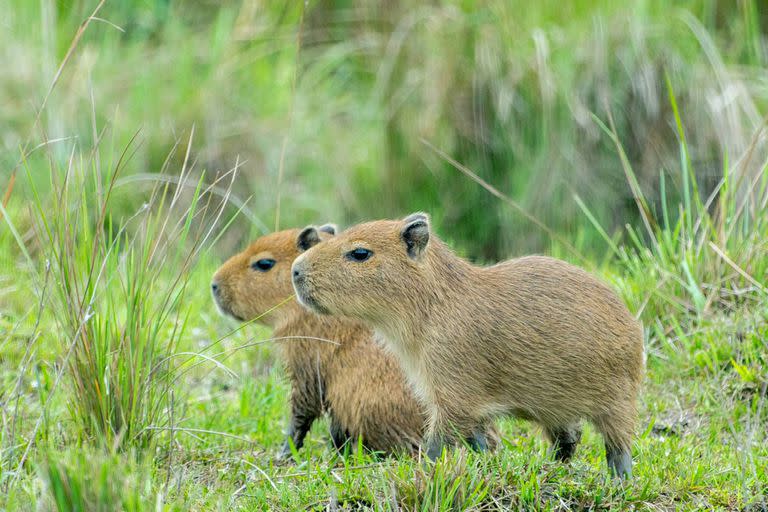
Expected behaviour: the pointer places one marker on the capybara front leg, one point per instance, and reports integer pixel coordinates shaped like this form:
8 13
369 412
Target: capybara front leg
478 440
339 436
564 440
298 427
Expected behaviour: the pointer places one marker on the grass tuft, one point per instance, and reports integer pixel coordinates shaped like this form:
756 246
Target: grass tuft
119 326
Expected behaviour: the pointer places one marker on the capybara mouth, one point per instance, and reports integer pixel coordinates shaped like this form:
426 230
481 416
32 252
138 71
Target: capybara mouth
307 300
315 306
225 310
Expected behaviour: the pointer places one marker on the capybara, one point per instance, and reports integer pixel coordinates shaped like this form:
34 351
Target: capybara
333 364
532 337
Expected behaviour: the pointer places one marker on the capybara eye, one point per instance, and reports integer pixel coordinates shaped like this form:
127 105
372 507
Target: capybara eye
263 265
359 254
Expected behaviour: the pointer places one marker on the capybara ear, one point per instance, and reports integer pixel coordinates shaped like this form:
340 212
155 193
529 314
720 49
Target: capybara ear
415 234
331 229
307 238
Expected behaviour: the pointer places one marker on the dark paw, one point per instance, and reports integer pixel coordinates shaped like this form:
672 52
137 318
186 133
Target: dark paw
564 450
478 441
564 442
434 449
620 464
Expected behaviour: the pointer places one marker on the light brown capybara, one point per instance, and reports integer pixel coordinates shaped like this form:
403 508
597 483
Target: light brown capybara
532 337
333 364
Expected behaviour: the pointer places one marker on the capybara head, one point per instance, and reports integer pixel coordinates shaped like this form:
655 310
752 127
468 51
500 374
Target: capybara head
256 283
367 270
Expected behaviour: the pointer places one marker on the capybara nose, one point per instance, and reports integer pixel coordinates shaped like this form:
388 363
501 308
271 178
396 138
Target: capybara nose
297 272
215 288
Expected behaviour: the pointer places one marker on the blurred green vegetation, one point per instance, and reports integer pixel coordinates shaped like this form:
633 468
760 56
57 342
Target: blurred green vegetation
510 89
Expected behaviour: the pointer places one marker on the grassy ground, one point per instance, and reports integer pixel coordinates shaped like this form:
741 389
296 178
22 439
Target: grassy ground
702 442
121 386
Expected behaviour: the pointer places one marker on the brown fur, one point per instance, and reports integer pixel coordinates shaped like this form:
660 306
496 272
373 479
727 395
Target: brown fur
359 385
533 337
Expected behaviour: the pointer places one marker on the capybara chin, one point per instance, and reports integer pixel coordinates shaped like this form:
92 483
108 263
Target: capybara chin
333 364
532 337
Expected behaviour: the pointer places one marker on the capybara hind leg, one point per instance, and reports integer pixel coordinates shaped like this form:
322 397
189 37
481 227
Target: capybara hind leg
619 461
617 431
564 440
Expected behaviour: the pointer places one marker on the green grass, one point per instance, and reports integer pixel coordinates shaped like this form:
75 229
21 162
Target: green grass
702 441
157 155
